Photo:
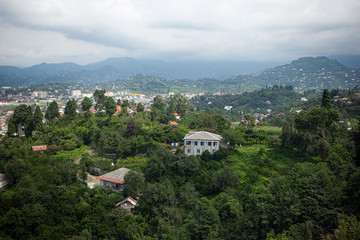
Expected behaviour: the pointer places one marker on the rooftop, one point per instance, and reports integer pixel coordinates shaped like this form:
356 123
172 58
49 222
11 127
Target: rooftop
202 135
116 176
128 199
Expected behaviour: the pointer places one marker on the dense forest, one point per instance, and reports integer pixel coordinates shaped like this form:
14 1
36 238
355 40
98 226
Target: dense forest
297 180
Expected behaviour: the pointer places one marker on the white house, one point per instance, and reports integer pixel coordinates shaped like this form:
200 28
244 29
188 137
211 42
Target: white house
198 142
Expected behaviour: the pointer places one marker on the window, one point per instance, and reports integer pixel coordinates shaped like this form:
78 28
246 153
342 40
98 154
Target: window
188 142
209 144
195 143
189 150
214 143
202 143
198 151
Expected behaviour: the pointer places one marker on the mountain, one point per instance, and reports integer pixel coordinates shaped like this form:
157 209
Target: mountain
350 61
191 76
119 68
312 73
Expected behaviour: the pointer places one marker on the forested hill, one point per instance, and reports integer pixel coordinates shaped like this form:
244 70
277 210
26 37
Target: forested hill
312 73
267 100
156 76
298 182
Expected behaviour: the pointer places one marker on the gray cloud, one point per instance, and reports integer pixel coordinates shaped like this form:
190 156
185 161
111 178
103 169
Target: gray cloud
86 30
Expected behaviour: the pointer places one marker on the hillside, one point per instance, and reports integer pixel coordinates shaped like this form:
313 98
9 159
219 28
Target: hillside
312 73
273 100
121 68
150 76
300 181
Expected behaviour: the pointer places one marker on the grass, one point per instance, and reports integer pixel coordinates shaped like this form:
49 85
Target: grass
250 149
135 163
74 154
272 131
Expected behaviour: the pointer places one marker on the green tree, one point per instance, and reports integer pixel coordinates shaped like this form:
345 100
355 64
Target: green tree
22 114
110 106
317 128
125 104
134 184
70 108
158 103
204 222
156 198
38 117
230 213
140 107
11 127
348 229
100 98
177 103
86 104
52 111
15 169
22 117
326 100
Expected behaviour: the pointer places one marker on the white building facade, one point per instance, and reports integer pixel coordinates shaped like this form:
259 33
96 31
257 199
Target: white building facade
198 142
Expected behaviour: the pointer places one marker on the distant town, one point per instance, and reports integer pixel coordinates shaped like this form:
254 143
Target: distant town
12 97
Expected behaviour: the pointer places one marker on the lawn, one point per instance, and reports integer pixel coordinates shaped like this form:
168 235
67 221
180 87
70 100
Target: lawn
272 131
74 155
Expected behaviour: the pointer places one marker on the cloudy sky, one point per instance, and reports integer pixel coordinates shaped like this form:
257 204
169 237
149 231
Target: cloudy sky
84 31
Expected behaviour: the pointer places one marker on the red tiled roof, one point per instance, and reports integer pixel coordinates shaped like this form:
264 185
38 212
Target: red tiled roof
110 180
174 123
39 148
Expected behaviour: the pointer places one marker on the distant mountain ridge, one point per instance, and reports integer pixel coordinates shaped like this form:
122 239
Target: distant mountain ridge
119 68
304 73
312 73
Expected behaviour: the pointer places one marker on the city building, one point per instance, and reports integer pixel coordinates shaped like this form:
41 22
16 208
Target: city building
75 93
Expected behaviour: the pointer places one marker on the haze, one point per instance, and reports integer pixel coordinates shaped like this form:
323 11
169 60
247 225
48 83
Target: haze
85 31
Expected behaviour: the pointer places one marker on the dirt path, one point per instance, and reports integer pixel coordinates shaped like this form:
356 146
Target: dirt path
92 181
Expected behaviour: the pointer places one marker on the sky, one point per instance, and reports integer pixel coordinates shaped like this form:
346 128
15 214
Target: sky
85 31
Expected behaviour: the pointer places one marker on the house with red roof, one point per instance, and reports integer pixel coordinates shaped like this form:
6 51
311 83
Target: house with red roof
114 180
39 148
177 116
128 204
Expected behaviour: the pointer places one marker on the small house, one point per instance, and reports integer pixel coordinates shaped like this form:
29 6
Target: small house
128 204
39 148
177 116
114 180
